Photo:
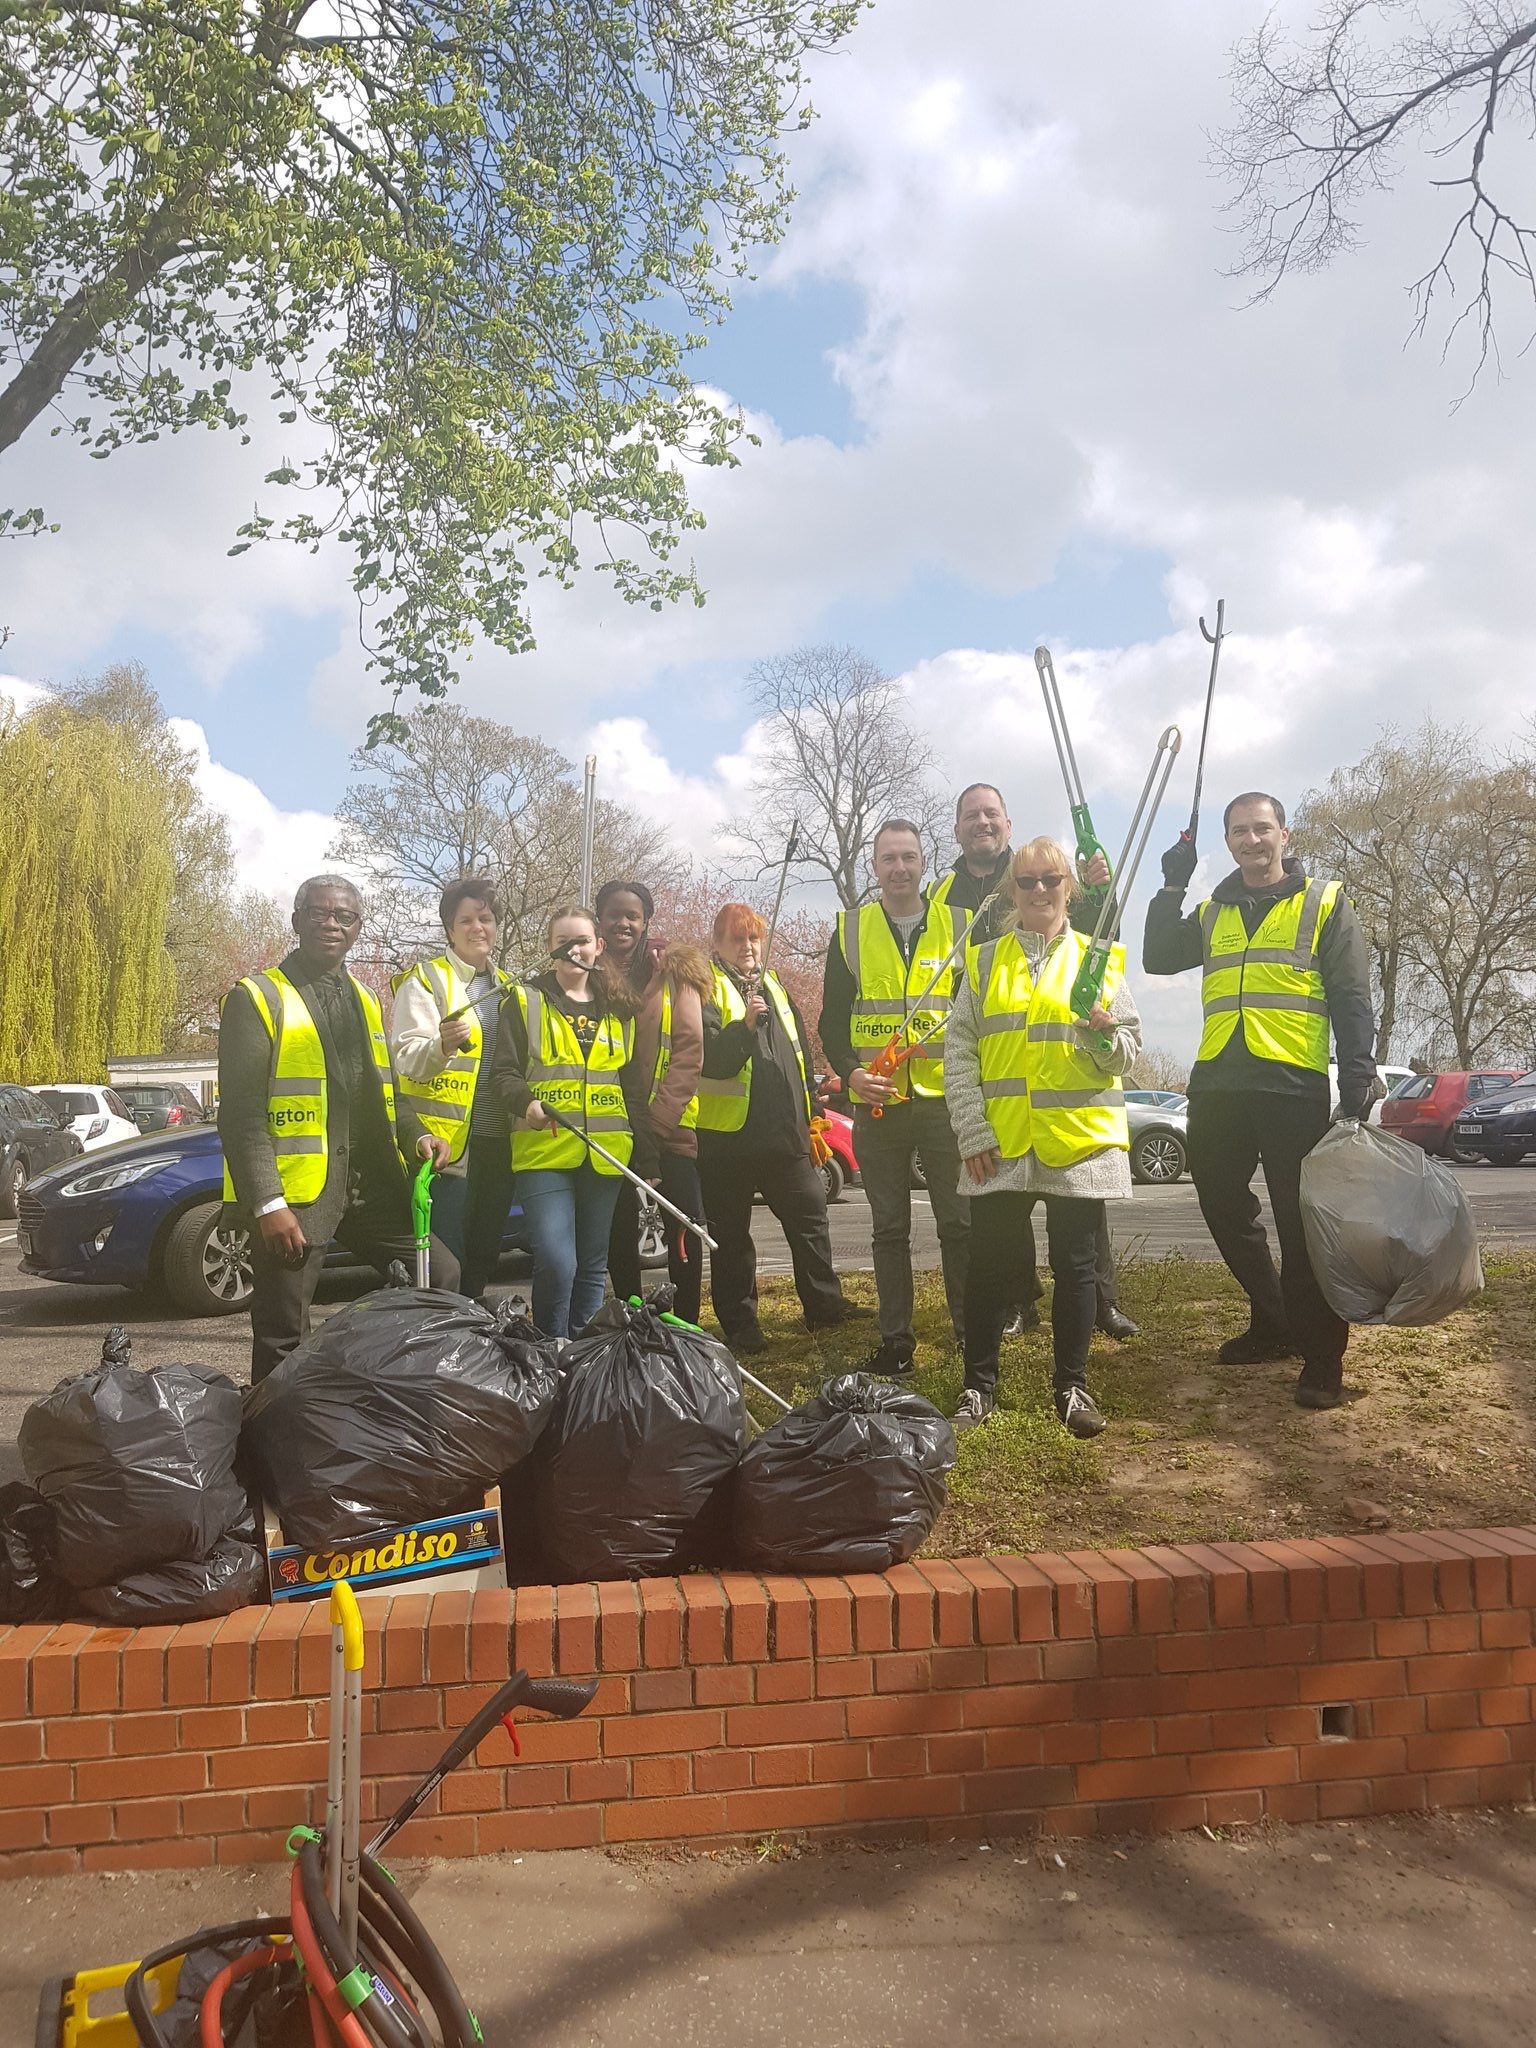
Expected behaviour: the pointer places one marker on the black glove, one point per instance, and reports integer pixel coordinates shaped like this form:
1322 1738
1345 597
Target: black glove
1353 1110
1179 863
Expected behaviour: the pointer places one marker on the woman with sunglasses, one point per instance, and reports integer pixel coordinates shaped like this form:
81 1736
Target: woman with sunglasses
1035 1099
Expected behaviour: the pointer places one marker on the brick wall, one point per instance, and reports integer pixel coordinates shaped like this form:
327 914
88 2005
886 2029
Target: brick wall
1096 1691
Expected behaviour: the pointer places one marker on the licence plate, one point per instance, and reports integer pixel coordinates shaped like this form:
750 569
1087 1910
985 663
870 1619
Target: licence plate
1472 1130
24 1243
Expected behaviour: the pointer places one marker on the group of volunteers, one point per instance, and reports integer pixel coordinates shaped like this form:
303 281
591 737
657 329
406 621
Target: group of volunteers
694 1072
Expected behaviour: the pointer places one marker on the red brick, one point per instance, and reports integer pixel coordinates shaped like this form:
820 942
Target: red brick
1306 1596
16 1653
1188 1652
566 1827
74 1825
1504 1784
1133 1777
21 1742
661 1622
660 1777
1076 1659
1241 1769
1069 1742
1179 1733
1506 1705
420 1708
277 1651
994 1599
1381 1588
1476 1668
1228 1583
904 1713
196 1855
1405 1716
99 1669
663 1691
1191 1586
223 1727
663 1820
724 1685
899 1756
704 1604
1451 1632
844 1677
1451 1788
608 1778
1342 1799
779 1682
452 1834
957 1669
1274 1686
405 1641
1453 1570
724 1770
1072 1590
1021 1791
1128 1738
1234 1809
900 1798
315 1653
448 1637
1450 1749
904 1671
1154 1591
212 1813
832 1606
956 1597
1304 1724
747 1612
533 1630
962 1749
147 1820
1294 1803
294 1763
1509 1629
1416 1575
1015 1664
1330 1684
1346 1642
53 1671
835 1762
1490 1570
1402 1638
916 1615
1268 1582
789 1618
1397 1795
802 1721
656 1734
490 1635
1452 1710
189 1663
618 1626
1034 1602
1368 1759
1129 1657
265 1721
787 1806
146 1777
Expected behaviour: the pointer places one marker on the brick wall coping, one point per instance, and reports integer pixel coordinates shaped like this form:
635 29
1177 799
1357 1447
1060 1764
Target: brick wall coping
1087 1691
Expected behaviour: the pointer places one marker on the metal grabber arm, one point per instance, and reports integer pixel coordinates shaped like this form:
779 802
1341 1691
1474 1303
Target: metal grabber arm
1088 987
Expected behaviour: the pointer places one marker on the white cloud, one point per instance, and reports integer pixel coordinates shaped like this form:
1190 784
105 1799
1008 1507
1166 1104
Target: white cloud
274 849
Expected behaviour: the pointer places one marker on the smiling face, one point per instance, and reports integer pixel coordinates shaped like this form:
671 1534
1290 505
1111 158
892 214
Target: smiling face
982 826
622 922
1040 895
328 924
474 932
898 863
574 939
1257 841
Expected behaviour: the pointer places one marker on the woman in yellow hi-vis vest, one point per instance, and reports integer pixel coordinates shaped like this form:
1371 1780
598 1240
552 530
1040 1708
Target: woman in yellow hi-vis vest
442 1071
1035 1098
564 1040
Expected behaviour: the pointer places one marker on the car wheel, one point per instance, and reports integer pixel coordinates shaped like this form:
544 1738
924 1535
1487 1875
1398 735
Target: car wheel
919 1178
832 1173
1157 1157
206 1266
12 1182
1510 1156
653 1235
1458 1155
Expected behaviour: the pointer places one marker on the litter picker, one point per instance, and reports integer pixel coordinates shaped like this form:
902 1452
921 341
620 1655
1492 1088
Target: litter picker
778 901
1089 845
891 1058
1214 640
588 824
344 1773
421 1222
1088 986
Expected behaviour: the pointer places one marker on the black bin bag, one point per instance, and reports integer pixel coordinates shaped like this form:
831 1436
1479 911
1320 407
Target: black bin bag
633 1478
233 1574
401 1406
137 1466
30 1590
851 1481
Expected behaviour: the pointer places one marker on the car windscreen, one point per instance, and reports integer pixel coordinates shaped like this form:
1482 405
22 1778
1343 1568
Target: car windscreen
145 1097
70 1101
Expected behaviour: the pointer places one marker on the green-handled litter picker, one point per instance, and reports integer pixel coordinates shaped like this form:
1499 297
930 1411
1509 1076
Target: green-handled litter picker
1088 986
421 1222
1089 845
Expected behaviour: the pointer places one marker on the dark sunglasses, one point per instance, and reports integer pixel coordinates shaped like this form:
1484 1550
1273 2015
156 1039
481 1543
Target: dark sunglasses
1038 881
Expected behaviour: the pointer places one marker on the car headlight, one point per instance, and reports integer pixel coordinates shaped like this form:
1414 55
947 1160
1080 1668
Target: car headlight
1513 1108
103 1179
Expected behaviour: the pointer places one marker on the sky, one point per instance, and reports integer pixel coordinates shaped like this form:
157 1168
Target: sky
1006 392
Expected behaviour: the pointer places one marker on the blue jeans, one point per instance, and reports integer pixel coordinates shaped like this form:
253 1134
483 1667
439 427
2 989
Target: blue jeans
568 1215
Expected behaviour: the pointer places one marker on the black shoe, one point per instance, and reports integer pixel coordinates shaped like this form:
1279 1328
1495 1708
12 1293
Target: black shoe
888 1360
748 1341
973 1407
1022 1319
1323 1388
1116 1323
1256 1347
850 1312
1079 1415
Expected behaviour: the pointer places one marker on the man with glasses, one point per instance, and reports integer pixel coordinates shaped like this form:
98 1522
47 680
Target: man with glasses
1285 964
985 833
314 1143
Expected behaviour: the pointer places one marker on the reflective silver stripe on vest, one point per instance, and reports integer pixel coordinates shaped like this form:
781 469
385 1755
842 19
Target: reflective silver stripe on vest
287 1145
984 959
1015 1084
448 1112
1315 1005
851 920
873 1006
1075 1098
616 1124
1052 1034
999 1021
305 1085
459 1064
734 1086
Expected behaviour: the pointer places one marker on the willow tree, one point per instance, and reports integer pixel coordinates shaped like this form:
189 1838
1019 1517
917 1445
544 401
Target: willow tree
85 898
466 245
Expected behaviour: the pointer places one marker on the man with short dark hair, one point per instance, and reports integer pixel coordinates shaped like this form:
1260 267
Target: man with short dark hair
445 1016
1284 960
882 976
985 833
314 1147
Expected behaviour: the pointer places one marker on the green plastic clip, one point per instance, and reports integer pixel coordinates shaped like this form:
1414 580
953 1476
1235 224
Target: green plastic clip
355 1986
475 2023
299 1836
383 1870
678 1324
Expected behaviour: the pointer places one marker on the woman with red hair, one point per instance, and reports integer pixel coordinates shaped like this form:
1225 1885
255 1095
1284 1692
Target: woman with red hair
755 1137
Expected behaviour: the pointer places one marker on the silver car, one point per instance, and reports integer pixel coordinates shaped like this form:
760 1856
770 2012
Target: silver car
1159 1138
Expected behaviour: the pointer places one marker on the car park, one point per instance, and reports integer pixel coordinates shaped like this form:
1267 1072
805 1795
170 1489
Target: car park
97 1116
161 1105
33 1137
1156 1098
1159 1140
149 1214
1425 1106
1501 1127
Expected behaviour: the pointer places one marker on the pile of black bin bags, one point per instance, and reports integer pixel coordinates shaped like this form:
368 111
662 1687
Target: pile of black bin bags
624 1455
137 1510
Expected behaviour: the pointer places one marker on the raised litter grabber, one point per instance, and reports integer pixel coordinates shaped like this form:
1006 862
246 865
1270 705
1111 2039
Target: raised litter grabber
893 1056
1088 985
1214 641
1089 845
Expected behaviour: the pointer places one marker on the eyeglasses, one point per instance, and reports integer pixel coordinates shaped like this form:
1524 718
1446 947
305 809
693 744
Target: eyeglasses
1046 882
348 920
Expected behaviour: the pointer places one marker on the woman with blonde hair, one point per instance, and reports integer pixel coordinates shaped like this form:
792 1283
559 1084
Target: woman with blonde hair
564 1041
1038 1111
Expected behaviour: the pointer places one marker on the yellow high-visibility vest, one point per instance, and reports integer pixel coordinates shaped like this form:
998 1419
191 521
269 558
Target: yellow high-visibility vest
1041 1090
582 1086
296 1083
890 993
444 1102
689 1119
1272 981
723 1104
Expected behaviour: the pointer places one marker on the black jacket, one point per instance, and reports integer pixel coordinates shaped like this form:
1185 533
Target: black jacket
364 1166
1173 944
776 1119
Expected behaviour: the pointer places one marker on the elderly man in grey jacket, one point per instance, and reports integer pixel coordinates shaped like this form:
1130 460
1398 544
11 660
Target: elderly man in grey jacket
1038 1112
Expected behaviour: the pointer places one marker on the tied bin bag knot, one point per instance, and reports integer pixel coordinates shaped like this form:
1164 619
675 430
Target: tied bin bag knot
853 1480
1389 1230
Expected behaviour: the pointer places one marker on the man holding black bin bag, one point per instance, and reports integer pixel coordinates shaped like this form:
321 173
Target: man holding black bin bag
1284 963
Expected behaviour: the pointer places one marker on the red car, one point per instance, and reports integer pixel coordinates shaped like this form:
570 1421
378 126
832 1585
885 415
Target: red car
1424 1108
842 1167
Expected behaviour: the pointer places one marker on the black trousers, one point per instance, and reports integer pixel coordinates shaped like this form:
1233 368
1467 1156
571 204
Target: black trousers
1231 1134
473 1210
1107 1288
796 1193
1000 1227
679 1182
281 1295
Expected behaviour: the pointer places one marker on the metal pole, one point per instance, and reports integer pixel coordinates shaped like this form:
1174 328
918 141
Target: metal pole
1214 640
778 901
557 1117
588 825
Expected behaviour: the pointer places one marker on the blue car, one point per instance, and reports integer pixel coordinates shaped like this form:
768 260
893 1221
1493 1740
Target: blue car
148 1214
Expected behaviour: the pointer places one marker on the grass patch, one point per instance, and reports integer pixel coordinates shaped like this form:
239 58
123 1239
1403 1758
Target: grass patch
1441 1432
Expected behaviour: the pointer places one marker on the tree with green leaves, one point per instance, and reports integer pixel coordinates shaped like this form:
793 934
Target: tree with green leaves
466 245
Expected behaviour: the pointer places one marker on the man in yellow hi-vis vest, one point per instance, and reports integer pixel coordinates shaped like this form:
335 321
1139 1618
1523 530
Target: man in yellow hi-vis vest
1284 967
314 1142
883 977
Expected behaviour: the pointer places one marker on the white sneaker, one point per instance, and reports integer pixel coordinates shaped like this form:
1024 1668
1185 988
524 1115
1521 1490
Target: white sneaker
972 1407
